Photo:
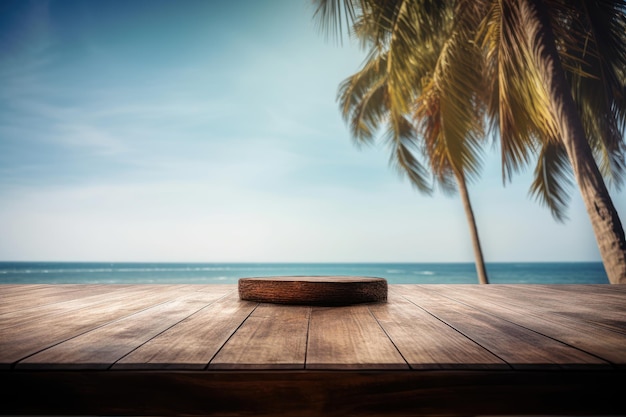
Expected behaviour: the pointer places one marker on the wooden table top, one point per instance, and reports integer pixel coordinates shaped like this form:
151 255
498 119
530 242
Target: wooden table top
521 335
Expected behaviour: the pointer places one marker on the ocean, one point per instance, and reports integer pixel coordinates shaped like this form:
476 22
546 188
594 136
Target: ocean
229 273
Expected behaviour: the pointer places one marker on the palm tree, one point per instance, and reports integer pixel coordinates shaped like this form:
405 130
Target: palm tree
555 72
559 68
446 123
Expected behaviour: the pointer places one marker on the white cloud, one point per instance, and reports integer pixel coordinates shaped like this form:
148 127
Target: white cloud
222 221
210 222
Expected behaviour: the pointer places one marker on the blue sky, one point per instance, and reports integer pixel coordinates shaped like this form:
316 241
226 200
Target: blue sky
208 131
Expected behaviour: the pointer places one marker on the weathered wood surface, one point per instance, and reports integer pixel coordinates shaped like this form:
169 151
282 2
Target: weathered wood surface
315 290
199 349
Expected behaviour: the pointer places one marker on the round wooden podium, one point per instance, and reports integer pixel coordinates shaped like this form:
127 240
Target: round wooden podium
328 291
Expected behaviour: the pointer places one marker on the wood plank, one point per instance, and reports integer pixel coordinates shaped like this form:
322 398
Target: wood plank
36 334
594 305
102 347
349 338
518 324
192 343
428 343
594 298
9 290
601 342
518 346
30 297
94 297
273 337
617 290
313 393
597 307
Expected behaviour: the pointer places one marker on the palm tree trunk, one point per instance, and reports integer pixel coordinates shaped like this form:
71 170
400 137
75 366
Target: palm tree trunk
478 252
603 215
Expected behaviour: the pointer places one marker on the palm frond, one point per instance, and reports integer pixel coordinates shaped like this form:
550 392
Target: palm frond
518 104
401 138
330 16
363 99
552 179
429 120
593 54
365 104
417 33
459 77
601 128
449 113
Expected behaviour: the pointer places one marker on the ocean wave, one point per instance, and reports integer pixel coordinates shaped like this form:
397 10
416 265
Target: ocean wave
186 269
220 273
53 271
109 270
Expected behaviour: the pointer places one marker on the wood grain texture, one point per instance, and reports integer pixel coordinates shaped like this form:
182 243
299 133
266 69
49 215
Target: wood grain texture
520 347
428 343
328 291
273 337
34 296
192 343
35 331
547 319
595 305
430 350
313 393
349 338
103 346
33 307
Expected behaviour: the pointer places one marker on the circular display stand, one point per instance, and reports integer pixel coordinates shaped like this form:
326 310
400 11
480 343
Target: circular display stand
328 291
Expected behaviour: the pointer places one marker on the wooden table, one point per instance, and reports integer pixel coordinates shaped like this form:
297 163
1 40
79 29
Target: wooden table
199 350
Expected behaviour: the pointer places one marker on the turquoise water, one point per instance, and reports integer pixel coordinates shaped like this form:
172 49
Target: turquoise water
229 273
